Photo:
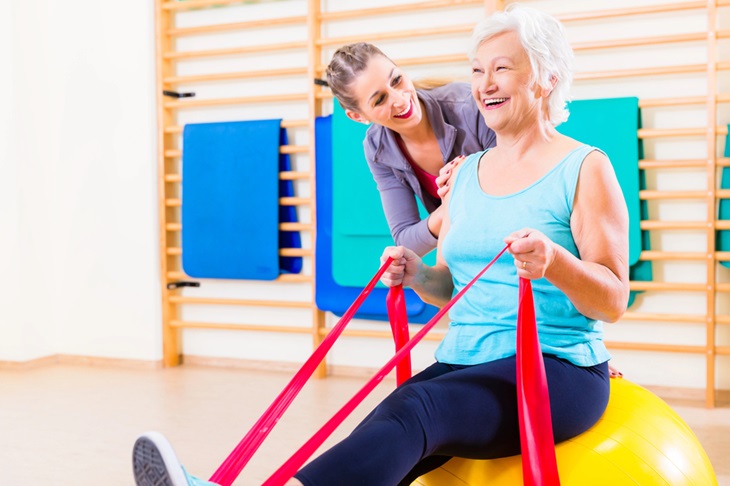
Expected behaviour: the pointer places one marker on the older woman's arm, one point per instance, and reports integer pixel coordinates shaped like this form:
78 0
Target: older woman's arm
598 282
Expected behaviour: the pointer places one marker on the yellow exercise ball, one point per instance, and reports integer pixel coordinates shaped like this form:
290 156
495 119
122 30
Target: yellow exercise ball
639 441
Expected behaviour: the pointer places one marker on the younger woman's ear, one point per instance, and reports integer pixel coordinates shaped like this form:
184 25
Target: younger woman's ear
355 116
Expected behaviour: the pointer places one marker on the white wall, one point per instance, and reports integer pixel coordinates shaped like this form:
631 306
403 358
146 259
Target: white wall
79 220
78 251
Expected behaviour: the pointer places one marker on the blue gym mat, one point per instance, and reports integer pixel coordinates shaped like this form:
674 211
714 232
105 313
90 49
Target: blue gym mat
329 295
230 194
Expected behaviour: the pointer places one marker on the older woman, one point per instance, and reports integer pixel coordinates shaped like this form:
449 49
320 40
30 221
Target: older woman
557 204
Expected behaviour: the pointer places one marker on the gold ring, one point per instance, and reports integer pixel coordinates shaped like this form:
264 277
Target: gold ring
524 264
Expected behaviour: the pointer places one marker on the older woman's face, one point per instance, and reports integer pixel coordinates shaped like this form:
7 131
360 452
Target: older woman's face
386 96
502 83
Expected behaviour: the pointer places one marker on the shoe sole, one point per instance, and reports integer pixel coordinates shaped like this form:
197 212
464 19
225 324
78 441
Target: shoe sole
155 463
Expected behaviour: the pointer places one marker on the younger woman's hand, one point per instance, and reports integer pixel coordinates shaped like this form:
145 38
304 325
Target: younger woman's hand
443 181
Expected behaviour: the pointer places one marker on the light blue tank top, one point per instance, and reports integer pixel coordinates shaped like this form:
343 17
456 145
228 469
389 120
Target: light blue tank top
483 321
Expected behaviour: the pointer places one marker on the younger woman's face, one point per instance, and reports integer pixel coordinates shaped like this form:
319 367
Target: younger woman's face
385 96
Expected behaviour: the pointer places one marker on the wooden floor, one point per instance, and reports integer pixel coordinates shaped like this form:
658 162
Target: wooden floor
75 425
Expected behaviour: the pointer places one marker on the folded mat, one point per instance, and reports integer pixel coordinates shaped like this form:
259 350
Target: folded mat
612 125
723 236
359 225
330 295
230 194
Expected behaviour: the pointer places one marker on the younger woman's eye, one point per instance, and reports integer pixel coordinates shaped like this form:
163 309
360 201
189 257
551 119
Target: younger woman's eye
379 100
397 80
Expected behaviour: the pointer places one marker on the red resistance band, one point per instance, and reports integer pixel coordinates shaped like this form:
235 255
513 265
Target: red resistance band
241 455
539 463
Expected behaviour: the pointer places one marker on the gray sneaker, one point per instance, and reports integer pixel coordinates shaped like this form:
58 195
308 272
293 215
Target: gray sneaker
155 464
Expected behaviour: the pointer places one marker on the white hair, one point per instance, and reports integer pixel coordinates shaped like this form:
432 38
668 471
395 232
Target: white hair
547 47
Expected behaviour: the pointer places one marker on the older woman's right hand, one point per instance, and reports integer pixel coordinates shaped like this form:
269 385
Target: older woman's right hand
403 268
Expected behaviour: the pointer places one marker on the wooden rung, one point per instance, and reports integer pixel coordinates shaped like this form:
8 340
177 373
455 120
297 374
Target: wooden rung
644 316
640 41
284 176
723 350
173 227
197 4
722 256
293 149
294 278
652 71
239 327
671 164
286 252
285 277
295 227
393 9
180 299
173 202
403 34
668 286
673 225
626 12
666 102
294 201
177 129
647 195
723 98
722 224
722 194
419 61
293 175
652 255
667 348
366 333
295 252
240 26
722 162
235 51
236 101
722 287
645 133
268 73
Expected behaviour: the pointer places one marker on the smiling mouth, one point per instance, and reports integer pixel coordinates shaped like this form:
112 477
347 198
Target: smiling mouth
494 103
405 113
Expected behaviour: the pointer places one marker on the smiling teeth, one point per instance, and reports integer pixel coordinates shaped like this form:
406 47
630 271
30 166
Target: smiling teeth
404 111
495 101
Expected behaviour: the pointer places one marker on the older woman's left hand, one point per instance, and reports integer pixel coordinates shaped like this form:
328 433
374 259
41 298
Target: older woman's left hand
533 252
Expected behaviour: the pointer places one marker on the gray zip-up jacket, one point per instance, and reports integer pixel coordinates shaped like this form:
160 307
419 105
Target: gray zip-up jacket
460 130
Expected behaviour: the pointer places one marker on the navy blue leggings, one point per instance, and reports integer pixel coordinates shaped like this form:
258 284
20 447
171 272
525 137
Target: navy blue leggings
447 411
